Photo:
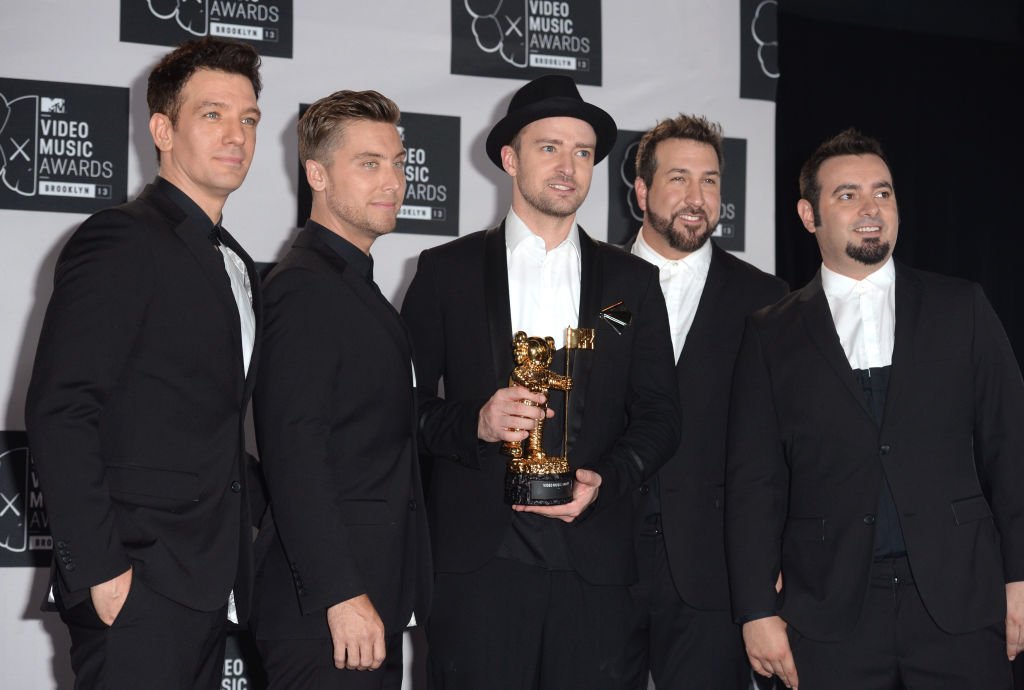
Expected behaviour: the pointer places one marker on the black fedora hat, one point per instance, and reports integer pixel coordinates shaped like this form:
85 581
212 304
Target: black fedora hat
552 95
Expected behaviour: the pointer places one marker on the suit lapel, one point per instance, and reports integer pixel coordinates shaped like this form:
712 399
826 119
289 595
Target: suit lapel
908 309
591 283
499 313
365 291
817 319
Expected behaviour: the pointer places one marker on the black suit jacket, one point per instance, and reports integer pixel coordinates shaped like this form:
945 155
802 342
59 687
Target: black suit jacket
335 419
692 483
136 405
806 460
624 410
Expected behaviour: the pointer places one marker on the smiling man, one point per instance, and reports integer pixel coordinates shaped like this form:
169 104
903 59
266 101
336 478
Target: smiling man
137 401
876 456
342 556
684 633
537 596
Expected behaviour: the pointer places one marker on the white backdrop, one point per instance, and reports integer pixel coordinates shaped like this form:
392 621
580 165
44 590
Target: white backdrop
660 57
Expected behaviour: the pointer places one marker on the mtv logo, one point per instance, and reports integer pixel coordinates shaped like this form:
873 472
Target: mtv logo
14 482
52 105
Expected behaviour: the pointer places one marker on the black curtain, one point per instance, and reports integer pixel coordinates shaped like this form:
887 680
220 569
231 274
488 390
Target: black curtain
941 92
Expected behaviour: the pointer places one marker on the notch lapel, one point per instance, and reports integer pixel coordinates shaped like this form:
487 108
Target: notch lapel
908 311
817 319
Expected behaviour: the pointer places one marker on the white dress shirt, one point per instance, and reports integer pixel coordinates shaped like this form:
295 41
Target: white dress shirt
543 286
682 283
241 289
864 312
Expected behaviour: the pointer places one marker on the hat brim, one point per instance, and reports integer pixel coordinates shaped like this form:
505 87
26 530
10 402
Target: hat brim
506 129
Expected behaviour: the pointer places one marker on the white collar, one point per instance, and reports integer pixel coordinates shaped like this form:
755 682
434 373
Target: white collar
516 232
699 261
837 285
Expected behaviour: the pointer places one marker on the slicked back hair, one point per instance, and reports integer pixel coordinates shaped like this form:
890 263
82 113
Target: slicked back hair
323 124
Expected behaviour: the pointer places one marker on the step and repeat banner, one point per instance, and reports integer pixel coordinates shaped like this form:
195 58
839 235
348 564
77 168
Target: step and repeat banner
74 139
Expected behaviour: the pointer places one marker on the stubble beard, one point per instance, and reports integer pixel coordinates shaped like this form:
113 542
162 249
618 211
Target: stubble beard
557 208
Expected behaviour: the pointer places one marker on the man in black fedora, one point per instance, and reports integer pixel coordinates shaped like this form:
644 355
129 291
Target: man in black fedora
537 596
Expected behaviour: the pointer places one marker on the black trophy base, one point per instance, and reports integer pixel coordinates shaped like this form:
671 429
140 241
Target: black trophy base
538 490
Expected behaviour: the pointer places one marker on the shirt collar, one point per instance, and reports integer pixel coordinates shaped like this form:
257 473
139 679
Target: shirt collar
516 232
184 202
837 285
352 255
698 261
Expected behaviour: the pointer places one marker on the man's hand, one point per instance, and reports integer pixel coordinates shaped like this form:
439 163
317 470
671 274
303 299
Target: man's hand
108 597
357 633
584 492
507 417
768 649
1014 619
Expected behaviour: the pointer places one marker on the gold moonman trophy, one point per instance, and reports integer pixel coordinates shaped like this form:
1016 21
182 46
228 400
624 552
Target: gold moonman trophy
531 477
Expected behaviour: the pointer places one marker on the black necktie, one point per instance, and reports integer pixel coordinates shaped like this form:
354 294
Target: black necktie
215 236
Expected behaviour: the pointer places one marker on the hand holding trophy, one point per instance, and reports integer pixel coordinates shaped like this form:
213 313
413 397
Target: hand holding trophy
532 477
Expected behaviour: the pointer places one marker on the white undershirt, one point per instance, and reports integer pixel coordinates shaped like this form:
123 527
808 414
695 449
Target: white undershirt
682 283
864 312
543 286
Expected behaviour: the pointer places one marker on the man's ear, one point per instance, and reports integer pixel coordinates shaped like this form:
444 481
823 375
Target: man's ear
806 213
316 176
509 160
640 187
162 131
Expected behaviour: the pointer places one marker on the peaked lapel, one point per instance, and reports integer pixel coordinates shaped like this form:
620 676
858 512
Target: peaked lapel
908 311
817 319
496 300
591 284
707 311
195 236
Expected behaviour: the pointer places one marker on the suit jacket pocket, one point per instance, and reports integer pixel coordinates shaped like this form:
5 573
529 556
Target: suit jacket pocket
365 512
805 529
970 509
170 490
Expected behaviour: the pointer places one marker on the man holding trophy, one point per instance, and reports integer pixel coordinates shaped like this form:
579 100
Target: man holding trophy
535 595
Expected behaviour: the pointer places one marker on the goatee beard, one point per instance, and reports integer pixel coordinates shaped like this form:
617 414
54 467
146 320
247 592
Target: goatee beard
869 252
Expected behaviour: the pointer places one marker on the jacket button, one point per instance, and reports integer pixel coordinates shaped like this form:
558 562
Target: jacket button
869 519
644 490
884 450
236 486
412 504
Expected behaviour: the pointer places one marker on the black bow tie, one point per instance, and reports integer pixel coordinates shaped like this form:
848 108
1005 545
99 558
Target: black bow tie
214 236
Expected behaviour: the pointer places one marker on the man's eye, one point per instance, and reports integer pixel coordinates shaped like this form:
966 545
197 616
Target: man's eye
250 121
583 154
370 164
212 116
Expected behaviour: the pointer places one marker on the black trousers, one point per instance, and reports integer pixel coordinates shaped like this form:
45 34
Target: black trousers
154 643
309 664
897 645
683 647
512 626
